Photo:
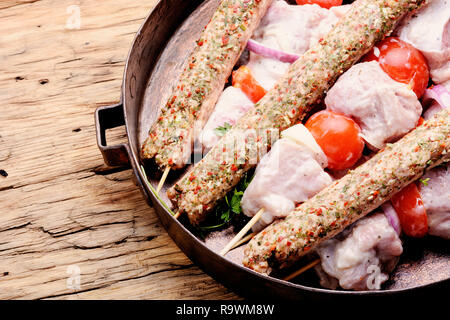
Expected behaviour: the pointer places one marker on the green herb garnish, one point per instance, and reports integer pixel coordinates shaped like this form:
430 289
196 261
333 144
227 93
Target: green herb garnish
236 201
229 209
220 131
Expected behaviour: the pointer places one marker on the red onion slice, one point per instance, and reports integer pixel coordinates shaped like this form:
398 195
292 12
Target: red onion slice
392 216
267 52
440 95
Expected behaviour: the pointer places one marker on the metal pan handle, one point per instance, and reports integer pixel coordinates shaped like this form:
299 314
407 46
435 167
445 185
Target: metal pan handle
109 117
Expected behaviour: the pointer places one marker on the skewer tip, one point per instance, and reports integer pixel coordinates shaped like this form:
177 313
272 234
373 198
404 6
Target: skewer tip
242 233
163 179
244 240
301 270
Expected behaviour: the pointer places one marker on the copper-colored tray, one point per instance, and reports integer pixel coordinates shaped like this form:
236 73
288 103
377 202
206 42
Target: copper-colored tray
164 41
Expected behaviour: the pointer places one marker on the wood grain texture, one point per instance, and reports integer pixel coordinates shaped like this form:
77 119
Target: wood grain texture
61 209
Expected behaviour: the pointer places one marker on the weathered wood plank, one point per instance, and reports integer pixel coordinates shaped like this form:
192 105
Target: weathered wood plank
61 212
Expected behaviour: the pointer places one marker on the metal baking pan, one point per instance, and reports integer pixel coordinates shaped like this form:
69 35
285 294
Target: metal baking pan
161 45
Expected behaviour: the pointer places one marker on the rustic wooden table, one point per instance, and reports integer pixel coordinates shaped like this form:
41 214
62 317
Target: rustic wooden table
70 228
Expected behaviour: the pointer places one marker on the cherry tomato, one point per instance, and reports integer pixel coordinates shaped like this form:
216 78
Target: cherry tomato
402 62
243 79
327 4
411 211
339 138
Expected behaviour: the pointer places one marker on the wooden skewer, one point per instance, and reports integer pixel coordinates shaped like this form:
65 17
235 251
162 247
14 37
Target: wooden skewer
242 232
300 271
163 179
244 240
177 215
237 241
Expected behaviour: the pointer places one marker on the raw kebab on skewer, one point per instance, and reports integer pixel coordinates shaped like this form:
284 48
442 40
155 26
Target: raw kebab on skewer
362 256
304 84
386 111
193 98
352 197
285 32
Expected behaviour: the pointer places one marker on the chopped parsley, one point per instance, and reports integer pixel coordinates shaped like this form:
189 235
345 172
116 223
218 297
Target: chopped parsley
229 209
424 181
220 131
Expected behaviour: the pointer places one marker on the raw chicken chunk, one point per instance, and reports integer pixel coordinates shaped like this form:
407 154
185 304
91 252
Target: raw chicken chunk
287 175
289 28
446 84
384 109
361 257
433 40
435 192
231 106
